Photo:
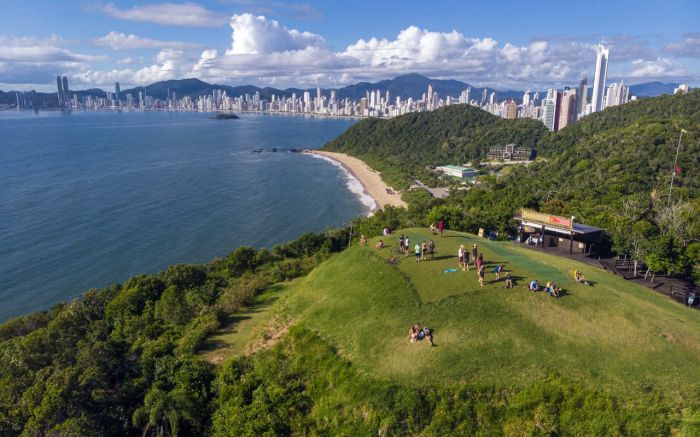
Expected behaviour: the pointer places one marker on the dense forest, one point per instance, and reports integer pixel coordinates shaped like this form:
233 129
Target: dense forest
122 360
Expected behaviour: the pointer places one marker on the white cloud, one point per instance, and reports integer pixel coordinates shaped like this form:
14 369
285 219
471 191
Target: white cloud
169 64
120 41
171 14
688 47
258 35
126 61
657 68
35 60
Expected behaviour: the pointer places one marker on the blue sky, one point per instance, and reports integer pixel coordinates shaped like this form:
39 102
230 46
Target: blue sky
504 44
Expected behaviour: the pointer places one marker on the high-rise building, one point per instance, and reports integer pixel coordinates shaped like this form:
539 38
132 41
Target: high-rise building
511 109
484 96
581 97
552 109
66 97
429 102
60 94
116 91
567 108
617 94
682 89
526 98
601 72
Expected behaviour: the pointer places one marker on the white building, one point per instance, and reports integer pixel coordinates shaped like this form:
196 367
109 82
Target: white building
601 72
618 94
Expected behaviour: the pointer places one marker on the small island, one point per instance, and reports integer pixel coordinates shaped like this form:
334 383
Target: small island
224 116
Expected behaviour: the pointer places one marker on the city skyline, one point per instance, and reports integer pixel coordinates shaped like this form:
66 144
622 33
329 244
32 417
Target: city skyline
284 44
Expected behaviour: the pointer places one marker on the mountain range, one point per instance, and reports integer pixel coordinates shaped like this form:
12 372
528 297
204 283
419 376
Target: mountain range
409 85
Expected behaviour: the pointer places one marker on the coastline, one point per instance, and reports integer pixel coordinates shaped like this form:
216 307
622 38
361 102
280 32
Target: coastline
371 181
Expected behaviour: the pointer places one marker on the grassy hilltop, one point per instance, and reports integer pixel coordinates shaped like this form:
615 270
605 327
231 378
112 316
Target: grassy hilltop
603 359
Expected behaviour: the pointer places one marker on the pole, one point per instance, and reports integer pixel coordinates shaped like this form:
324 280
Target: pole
673 169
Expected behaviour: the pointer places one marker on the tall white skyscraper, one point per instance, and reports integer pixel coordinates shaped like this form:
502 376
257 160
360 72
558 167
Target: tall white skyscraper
601 72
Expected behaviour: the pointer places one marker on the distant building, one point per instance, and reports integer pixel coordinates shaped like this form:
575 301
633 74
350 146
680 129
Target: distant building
581 97
511 109
510 152
457 172
601 72
552 108
617 94
61 96
567 113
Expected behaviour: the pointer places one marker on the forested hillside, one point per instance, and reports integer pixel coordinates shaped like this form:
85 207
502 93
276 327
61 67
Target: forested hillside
403 146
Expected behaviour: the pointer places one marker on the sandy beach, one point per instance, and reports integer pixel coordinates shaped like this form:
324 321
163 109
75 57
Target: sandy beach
370 179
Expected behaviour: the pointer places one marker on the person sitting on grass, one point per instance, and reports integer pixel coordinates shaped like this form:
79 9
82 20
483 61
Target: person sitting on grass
417 251
428 334
497 270
580 278
533 285
379 246
509 280
552 289
363 240
413 333
433 228
482 274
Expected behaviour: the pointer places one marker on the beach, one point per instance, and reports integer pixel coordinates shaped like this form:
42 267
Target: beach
370 179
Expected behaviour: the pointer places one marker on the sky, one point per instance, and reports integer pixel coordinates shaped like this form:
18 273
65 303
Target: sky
506 44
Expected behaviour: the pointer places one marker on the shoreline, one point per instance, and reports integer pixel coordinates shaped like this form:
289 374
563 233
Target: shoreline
371 181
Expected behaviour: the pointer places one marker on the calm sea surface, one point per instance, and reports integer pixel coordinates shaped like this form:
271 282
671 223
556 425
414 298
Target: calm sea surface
89 199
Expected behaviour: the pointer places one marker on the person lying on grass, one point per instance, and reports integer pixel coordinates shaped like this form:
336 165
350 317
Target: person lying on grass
416 334
580 278
413 333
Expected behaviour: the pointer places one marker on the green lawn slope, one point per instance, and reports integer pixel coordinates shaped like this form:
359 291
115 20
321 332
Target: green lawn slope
614 334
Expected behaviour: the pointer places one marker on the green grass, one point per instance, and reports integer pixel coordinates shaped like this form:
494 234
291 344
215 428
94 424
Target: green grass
239 330
616 334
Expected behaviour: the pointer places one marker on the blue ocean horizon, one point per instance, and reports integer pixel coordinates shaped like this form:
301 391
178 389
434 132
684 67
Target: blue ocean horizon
88 199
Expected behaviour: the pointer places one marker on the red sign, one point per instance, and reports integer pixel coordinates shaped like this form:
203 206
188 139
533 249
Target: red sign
560 221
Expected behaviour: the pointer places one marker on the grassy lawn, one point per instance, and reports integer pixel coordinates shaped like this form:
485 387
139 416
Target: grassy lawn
615 334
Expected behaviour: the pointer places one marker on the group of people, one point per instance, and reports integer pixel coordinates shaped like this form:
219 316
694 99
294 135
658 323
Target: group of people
416 334
423 251
551 288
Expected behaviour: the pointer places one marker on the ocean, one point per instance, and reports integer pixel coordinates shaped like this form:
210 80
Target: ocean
88 199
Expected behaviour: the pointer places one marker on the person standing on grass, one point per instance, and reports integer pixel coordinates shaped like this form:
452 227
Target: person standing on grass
406 246
441 226
417 251
460 257
431 249
480 261
475 253
401 238
497 270
423 250
482 274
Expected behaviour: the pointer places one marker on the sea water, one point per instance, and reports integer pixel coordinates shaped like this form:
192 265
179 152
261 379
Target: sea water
88 199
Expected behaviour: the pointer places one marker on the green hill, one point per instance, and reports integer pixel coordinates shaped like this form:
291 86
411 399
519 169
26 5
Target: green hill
403 146
604 359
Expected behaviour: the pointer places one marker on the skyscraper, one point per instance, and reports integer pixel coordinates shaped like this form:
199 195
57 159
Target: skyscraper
552 109
429 103
60 94
581 97
567 108
510 109
601 72
66 97
618 94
